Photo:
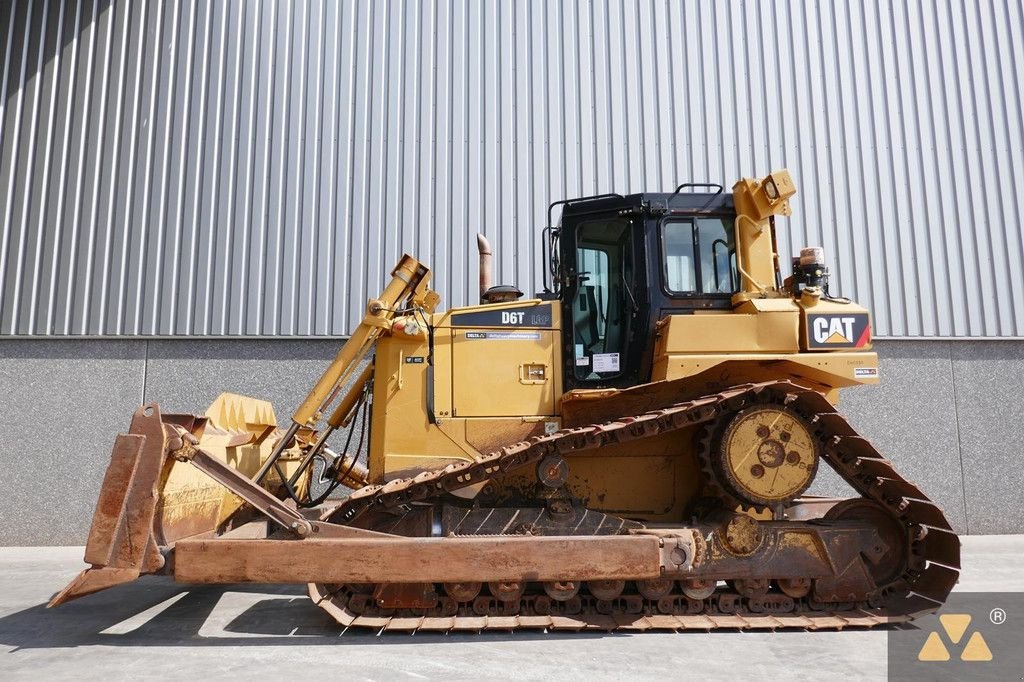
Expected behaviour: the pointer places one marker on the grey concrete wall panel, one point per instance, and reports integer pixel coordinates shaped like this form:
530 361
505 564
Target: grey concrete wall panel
65 401
62 405
187 377
911 418
989 378
254 168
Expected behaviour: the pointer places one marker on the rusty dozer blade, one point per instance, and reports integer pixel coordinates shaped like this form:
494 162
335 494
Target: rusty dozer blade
152 496
121 543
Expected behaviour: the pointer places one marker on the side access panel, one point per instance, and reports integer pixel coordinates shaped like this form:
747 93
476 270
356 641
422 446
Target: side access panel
498 373
504 360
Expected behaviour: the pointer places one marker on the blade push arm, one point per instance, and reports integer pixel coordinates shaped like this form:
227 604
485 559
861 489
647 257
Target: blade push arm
407 289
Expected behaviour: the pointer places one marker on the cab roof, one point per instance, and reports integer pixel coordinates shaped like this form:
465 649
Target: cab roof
653 202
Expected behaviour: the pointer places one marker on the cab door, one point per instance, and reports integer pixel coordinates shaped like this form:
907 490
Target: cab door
604 302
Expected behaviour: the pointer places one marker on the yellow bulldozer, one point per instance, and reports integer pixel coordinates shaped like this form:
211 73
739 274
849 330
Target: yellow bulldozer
630 449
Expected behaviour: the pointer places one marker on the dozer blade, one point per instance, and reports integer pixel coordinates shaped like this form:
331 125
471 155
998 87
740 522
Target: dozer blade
121 544
150 500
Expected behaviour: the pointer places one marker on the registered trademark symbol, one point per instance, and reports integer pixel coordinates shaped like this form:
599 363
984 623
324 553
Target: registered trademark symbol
997 616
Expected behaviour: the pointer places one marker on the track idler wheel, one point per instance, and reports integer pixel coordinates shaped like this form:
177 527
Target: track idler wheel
766 456
884 562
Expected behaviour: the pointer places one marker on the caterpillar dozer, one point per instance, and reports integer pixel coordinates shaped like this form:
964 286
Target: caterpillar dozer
630 449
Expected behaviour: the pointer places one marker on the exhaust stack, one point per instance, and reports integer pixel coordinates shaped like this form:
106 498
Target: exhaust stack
486 266
489 293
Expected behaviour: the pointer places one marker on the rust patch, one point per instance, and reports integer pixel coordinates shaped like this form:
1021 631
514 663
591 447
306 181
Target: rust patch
488 435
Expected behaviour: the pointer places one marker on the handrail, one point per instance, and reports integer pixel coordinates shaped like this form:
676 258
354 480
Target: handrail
683 186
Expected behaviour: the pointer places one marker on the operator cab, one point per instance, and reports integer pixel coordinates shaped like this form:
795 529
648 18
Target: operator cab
619 264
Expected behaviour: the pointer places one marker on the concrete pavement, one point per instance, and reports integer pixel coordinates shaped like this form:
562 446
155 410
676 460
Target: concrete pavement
157 629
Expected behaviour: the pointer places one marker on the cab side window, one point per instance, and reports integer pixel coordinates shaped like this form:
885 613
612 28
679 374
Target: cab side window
699 256
680 266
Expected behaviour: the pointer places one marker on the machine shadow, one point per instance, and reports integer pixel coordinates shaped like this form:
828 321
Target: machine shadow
208 615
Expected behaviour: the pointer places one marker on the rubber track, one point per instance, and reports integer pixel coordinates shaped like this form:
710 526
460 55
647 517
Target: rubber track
930 572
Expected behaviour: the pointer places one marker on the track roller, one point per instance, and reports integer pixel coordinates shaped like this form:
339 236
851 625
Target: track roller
562 590
507 592
462 591
655 588
606 590
794 587
751 587
698 589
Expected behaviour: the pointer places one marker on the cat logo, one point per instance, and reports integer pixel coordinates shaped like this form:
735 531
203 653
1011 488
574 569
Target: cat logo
825 330
833 329
955 625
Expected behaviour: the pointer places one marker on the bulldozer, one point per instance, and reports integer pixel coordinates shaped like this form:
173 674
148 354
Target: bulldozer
631 449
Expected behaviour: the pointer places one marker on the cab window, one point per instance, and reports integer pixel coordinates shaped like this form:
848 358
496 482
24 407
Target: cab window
699 256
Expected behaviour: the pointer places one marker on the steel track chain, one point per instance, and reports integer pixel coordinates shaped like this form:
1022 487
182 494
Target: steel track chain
675 612
930 569
933 565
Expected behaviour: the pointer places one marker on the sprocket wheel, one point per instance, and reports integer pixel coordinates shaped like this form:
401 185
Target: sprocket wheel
766 456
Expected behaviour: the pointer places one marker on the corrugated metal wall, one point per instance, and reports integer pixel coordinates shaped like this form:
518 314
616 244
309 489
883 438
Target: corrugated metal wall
254 168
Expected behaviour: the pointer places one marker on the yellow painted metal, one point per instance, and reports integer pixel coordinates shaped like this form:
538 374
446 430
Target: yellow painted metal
239 431
759 340
655 481
654 478
506 372
403 441
756 201
505 385
342 413
827 370
503 377
409 280
730 332
768 454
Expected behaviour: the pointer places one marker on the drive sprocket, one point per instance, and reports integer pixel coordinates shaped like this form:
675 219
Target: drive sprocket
766 456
